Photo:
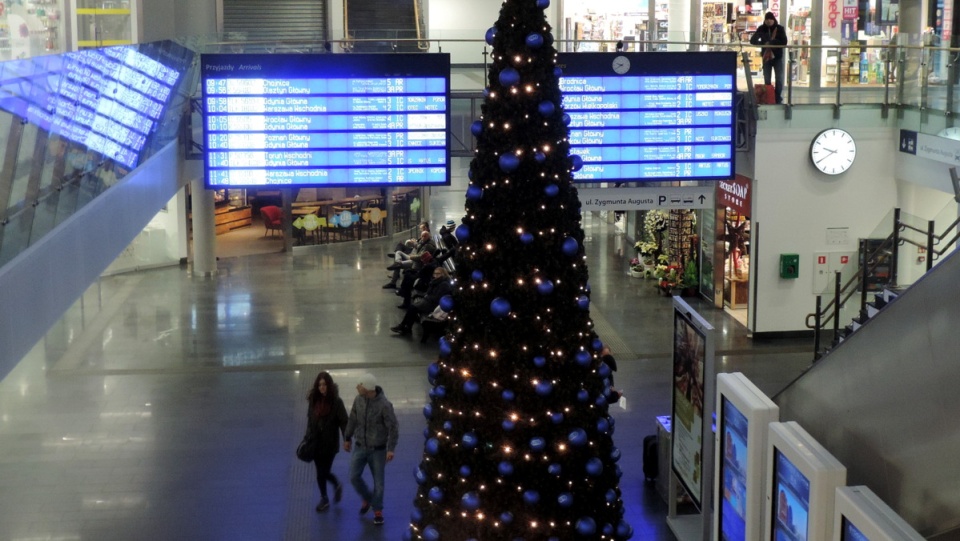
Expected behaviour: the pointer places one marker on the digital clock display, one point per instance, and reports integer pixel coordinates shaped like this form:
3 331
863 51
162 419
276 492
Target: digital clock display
670 116
326 120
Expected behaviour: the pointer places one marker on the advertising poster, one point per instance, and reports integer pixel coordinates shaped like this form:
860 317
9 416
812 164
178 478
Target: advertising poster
733 508
689 355
791 501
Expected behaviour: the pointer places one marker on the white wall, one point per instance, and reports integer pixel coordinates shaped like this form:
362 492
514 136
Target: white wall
793 205
159 20
168 19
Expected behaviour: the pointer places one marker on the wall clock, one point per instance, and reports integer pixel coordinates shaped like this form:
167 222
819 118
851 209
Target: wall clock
833 151
621 65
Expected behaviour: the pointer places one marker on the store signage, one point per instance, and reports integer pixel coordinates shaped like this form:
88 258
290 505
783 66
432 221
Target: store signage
326 120
659 198
850 9
931 147
638 117
735 194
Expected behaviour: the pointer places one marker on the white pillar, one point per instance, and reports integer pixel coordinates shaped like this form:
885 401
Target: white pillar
204 230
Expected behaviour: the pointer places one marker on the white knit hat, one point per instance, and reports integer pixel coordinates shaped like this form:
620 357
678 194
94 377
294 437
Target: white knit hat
451 225
368 381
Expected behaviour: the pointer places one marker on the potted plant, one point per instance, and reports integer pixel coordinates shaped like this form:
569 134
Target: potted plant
668 277
690 280
648 251
636 268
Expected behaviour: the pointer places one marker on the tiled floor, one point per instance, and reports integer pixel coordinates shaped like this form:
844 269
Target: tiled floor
168 407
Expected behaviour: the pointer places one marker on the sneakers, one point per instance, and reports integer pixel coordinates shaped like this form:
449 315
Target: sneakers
364 508
338 493
378 518
390 285
323 505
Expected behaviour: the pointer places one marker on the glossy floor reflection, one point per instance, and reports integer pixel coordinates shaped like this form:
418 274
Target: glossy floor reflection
168 407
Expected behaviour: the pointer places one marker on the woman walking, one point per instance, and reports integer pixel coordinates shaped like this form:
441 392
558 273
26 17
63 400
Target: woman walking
327 419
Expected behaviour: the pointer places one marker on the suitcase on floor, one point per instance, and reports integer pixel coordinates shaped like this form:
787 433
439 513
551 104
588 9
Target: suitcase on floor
765 94
651 455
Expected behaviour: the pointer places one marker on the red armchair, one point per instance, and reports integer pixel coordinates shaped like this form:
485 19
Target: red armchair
272 220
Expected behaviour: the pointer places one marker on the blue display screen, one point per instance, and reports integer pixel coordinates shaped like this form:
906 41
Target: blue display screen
733 509
663 116
109 100
791 497
326 120
849 532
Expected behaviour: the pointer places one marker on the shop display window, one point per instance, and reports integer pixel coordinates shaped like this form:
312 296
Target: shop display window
30 28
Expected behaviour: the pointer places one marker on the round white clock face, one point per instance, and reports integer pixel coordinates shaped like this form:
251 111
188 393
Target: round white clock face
950 133
833 151
621 65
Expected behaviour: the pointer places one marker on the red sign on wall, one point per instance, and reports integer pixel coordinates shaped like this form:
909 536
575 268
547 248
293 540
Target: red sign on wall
844 259
735 194
821 260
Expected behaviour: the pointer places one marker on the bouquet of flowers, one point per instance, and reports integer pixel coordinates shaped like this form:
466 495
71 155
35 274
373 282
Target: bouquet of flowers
648 250
655 221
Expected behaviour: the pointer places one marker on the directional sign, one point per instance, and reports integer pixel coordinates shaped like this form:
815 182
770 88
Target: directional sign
663 198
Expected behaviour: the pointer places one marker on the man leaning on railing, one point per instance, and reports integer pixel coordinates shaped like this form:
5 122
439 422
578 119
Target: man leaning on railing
771 33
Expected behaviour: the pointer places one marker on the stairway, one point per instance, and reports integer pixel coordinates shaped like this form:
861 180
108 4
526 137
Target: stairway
880 301
388 22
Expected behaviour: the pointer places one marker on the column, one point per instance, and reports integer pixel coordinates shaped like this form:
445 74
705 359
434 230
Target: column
204 230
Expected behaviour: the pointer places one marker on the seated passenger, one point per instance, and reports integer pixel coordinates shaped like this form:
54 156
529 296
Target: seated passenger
421 306
406 261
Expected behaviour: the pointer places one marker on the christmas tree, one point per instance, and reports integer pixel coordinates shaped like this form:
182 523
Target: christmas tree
519 440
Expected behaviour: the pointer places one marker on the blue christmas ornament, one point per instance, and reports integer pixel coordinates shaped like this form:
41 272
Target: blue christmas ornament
428 411
526 237
426 432
432 446
474 193
583 395
583 358
547 108
476 276
506 517
602 425
551 190
543 4
470 174
586 287
445 348
435 495
570 246
470 440
586 526
566 119
610 496
539 361
486 92
508 395
554 469
433 370
540 157
601 400
534 41
440 391
615 454
463 233
470 501
597 345
500 307
594 466
430 533
491 32
557 72
509 77
545 287
420 476
556 417
508 163
447 426
465 471
583 302
446 303
607 529
565 499
508 425
604 370
537 443
544 388
416 515
471 387
576 162
624 530
476 128
531 497
578 437
505 468
618 471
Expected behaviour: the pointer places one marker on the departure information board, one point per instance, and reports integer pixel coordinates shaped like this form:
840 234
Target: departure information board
638 117
326 120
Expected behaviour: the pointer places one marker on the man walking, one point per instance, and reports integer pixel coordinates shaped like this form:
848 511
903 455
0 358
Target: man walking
372 433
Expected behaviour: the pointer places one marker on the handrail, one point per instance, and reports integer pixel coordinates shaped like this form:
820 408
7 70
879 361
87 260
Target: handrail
875 256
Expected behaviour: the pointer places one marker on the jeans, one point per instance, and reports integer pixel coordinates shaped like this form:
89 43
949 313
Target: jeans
377 460
777 66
